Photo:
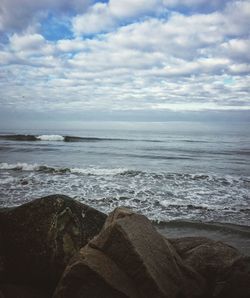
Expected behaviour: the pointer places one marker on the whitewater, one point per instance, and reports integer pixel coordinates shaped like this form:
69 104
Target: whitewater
188 178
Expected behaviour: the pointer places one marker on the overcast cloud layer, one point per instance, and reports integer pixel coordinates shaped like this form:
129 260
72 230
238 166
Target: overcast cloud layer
124 55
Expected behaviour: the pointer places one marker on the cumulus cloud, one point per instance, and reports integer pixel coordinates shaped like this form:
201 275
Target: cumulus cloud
26 42
103 17
97 19
128 55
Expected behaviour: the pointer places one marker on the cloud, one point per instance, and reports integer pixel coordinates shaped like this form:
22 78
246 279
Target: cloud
237 49
17 15
97 19
196 4
129 8
26 42
130 56
103 17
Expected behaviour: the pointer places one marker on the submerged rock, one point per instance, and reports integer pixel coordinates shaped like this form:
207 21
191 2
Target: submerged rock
40 237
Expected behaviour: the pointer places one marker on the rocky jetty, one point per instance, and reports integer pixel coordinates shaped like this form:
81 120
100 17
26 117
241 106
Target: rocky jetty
57 247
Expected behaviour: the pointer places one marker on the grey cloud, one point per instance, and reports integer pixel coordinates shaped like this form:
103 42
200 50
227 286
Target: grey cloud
17 15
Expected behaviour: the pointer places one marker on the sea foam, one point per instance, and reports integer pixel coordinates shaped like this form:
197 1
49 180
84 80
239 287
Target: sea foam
50 138
19 166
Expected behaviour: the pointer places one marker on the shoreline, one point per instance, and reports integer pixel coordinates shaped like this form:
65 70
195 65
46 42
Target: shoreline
236 235
232 234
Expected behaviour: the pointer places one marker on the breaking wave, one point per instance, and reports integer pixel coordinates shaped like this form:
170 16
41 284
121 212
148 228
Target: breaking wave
50 138
129 173
21 137
48 169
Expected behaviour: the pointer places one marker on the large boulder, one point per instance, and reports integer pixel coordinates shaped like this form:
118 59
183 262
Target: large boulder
129 243
225 270
40 237
235 280
92 274
22 291
2 258
208 257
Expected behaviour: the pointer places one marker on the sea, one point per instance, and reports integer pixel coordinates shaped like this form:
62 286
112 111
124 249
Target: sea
189 178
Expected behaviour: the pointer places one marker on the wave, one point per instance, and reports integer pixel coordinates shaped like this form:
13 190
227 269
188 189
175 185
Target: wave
19 137
125 172
22 137
57 170
50 138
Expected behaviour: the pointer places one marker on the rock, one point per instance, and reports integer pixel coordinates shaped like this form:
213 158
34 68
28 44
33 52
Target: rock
2 258
213 260
91 274
206 256
132 242
21 291
40 237
235 280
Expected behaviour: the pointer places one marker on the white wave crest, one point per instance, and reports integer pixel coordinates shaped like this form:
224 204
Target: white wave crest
50 138
19 166
84 171
97 171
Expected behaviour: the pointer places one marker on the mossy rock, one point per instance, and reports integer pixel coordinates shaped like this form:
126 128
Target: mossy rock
40 237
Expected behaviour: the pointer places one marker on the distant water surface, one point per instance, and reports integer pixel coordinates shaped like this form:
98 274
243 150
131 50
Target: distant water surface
167 171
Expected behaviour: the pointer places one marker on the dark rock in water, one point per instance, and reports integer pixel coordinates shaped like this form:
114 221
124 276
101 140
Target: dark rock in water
92 274
132 242
24 182
227 273
40 237
21 291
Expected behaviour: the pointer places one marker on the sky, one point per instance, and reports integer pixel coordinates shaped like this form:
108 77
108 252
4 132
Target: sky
143 60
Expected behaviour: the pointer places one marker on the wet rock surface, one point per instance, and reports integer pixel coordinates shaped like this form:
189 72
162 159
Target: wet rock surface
57 247
21 291
225 270
133 243
40 237
93 274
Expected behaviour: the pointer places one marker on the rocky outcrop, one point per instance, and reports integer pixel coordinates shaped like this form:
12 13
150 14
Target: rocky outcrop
91 273
235 280
120 256
21 291
40 237
227 272
147 261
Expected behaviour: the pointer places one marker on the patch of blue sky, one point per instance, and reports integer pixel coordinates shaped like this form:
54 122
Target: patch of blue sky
4 39
55 28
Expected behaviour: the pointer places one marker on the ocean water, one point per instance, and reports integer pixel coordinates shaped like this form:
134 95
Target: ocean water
172 171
